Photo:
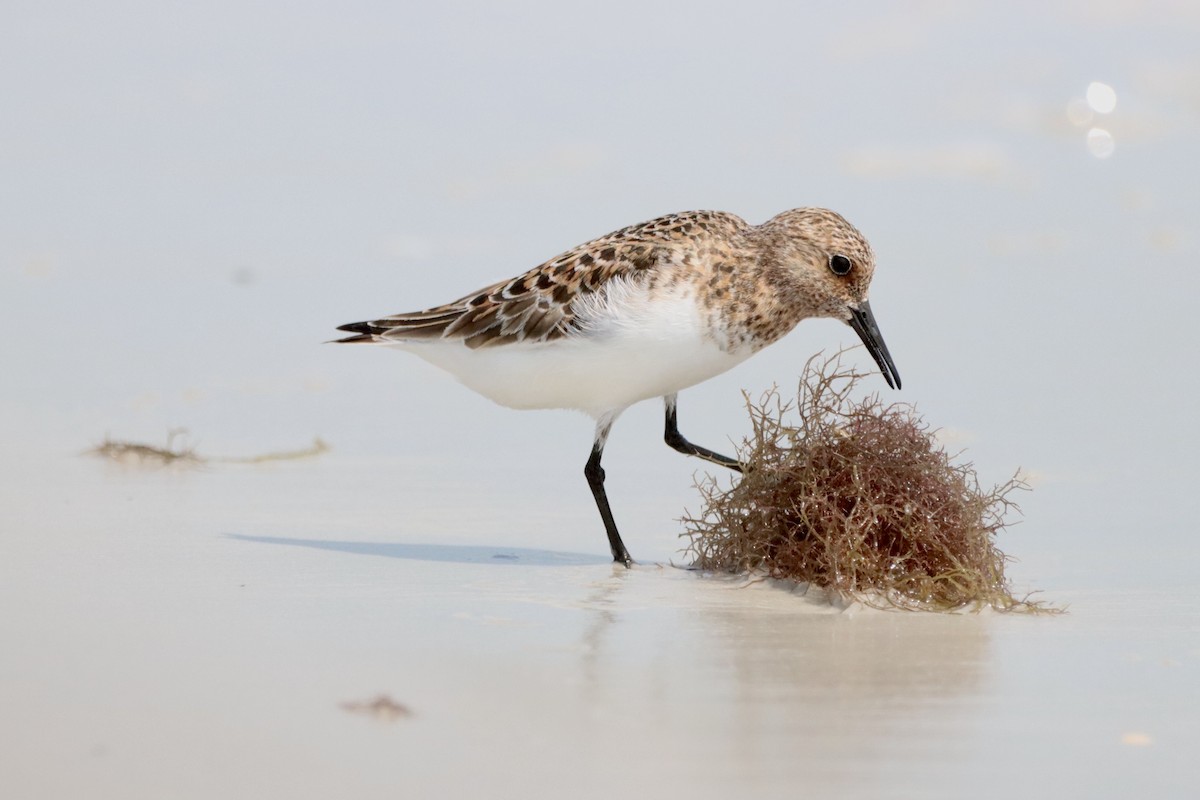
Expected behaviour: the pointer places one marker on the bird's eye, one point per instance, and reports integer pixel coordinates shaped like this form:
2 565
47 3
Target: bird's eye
840 265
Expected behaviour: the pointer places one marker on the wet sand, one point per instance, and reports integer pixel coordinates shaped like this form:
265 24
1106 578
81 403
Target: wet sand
182 633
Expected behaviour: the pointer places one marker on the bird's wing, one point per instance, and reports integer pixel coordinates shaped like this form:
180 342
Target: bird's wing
537 306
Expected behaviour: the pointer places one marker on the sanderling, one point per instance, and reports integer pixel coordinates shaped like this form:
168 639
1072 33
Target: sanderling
644 312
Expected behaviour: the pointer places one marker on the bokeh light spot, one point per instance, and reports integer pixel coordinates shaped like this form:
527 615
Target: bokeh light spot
1101 97
1100 143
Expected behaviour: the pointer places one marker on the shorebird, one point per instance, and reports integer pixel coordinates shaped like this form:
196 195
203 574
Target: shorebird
645 312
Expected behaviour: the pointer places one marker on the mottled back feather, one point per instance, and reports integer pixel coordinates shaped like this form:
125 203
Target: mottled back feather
536 305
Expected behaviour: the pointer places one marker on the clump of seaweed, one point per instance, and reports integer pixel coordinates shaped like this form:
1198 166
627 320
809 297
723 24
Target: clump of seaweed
859 498
176 454
381 707
127 452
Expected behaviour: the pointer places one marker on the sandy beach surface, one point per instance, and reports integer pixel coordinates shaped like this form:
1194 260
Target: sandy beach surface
227 632
195 197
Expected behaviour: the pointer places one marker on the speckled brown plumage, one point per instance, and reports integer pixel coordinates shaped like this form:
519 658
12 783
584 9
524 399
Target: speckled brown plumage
724 257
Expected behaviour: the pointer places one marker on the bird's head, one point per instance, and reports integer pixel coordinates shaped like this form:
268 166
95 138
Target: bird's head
829 265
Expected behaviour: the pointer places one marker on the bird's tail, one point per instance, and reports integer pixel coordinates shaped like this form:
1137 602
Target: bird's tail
365 333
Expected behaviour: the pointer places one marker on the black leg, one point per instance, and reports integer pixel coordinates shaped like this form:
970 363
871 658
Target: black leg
595 479
675 439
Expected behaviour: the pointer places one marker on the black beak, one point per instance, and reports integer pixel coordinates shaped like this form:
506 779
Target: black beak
863 322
